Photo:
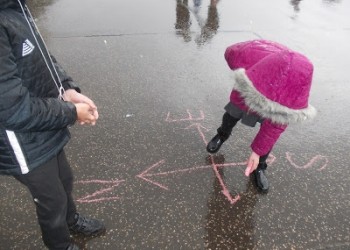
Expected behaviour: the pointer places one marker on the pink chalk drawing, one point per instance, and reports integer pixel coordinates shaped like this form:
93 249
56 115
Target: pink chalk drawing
146 174
311 163
151 172
189 118
101 194
199 128
224 190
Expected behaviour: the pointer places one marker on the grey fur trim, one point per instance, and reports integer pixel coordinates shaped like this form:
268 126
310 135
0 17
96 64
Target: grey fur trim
266 108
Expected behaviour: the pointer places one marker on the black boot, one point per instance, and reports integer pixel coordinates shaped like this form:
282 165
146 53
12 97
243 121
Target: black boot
86 226
215 143
224 132
260 178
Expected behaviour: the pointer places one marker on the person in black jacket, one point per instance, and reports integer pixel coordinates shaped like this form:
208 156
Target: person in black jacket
38 101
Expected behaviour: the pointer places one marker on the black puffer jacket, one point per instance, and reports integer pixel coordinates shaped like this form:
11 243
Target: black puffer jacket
33 120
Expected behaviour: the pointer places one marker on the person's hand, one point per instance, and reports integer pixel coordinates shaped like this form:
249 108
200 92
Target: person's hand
252 163
71 95
85 114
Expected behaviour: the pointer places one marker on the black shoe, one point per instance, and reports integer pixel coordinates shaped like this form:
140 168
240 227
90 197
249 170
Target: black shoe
215 144
261 181
86 226
73 247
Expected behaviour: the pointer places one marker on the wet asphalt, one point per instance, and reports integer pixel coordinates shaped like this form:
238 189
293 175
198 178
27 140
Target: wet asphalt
157 73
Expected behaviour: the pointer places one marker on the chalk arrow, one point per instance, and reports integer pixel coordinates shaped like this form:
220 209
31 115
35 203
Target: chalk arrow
225 190
98 195
146 174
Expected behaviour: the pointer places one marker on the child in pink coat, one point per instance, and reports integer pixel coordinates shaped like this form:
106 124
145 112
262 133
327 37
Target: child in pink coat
271 86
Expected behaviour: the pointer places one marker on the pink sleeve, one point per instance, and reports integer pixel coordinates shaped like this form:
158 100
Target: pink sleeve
246 54
267 137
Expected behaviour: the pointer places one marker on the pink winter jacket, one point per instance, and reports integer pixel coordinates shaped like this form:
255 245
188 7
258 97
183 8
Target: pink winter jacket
272 81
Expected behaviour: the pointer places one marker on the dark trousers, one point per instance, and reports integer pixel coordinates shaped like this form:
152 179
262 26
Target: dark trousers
228 122
51 188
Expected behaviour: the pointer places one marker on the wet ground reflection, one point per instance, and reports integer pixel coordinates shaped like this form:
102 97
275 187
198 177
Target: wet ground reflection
208 25
230 225
156 71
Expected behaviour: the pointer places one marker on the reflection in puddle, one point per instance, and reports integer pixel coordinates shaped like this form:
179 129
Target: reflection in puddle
208 26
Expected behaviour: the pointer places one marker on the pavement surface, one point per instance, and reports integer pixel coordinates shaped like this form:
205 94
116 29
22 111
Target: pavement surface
156 70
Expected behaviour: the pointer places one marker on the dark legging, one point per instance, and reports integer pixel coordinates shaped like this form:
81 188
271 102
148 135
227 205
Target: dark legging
51 187
228 122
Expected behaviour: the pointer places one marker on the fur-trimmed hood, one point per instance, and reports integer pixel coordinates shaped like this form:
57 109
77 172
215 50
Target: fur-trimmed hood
265 107
272 80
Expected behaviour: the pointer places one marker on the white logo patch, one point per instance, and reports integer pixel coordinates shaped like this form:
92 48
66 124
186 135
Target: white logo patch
27 48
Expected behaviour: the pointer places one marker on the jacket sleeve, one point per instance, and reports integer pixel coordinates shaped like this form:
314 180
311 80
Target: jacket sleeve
19 111
246 54
267 137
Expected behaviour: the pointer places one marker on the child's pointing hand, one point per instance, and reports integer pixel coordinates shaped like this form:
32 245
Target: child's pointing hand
252 163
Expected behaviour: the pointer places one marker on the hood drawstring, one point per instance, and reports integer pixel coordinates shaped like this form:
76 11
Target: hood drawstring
59 86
